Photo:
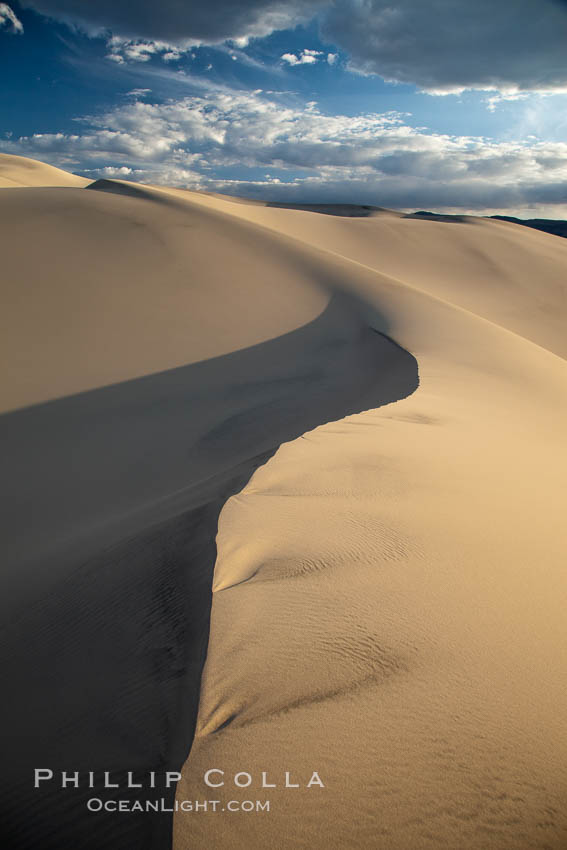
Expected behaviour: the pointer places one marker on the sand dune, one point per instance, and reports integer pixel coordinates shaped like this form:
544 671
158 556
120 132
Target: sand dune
512 275
142 391
19 171
371 408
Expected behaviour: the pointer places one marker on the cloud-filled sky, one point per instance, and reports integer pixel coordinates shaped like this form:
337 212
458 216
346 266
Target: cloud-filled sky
413 104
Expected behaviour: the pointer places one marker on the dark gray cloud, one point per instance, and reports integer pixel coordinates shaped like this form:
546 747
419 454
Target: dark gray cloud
440 45
410 195
444 45
176 21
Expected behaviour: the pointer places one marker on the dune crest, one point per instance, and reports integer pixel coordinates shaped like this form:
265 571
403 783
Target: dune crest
386 605
21 172
367 412
166 352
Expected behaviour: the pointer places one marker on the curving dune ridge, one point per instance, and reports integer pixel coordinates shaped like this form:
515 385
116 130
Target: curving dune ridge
388 587
158 353
388 591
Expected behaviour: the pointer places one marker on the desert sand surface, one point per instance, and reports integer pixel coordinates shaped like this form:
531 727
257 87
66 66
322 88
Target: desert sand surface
20 171
352 426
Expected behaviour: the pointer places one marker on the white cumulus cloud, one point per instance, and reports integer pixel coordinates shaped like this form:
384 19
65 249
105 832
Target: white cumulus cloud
136 50
370 158
305 57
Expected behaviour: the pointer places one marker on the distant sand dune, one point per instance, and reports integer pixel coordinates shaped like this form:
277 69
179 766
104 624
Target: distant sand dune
369 412
19 171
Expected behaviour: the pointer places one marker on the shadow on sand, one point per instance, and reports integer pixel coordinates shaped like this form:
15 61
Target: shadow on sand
112 499
348 210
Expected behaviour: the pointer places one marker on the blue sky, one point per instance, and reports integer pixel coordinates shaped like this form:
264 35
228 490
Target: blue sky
401 103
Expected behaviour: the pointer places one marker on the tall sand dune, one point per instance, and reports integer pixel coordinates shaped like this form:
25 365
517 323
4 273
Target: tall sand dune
350 427
157 353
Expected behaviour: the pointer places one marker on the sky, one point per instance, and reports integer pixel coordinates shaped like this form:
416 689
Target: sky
446 105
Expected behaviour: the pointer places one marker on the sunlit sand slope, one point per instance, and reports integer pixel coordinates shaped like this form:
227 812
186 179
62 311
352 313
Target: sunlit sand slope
19 171
504 272
367 411
389 589
156 354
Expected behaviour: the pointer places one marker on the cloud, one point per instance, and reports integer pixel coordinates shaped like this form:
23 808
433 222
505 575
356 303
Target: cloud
545 201
374 158
442 46
179 22
136 50
502 97
138 93
8 19
306 57
447 46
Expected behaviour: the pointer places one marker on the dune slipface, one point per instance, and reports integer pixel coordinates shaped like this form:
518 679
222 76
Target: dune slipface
160 354
343 427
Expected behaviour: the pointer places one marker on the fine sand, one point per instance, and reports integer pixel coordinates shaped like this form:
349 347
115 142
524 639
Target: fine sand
370 409
19 171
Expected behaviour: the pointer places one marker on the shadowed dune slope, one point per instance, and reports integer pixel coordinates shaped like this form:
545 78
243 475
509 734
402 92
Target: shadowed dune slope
388 572
157 355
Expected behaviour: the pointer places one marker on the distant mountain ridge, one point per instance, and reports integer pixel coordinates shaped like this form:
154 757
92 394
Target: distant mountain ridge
556 227
548 225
